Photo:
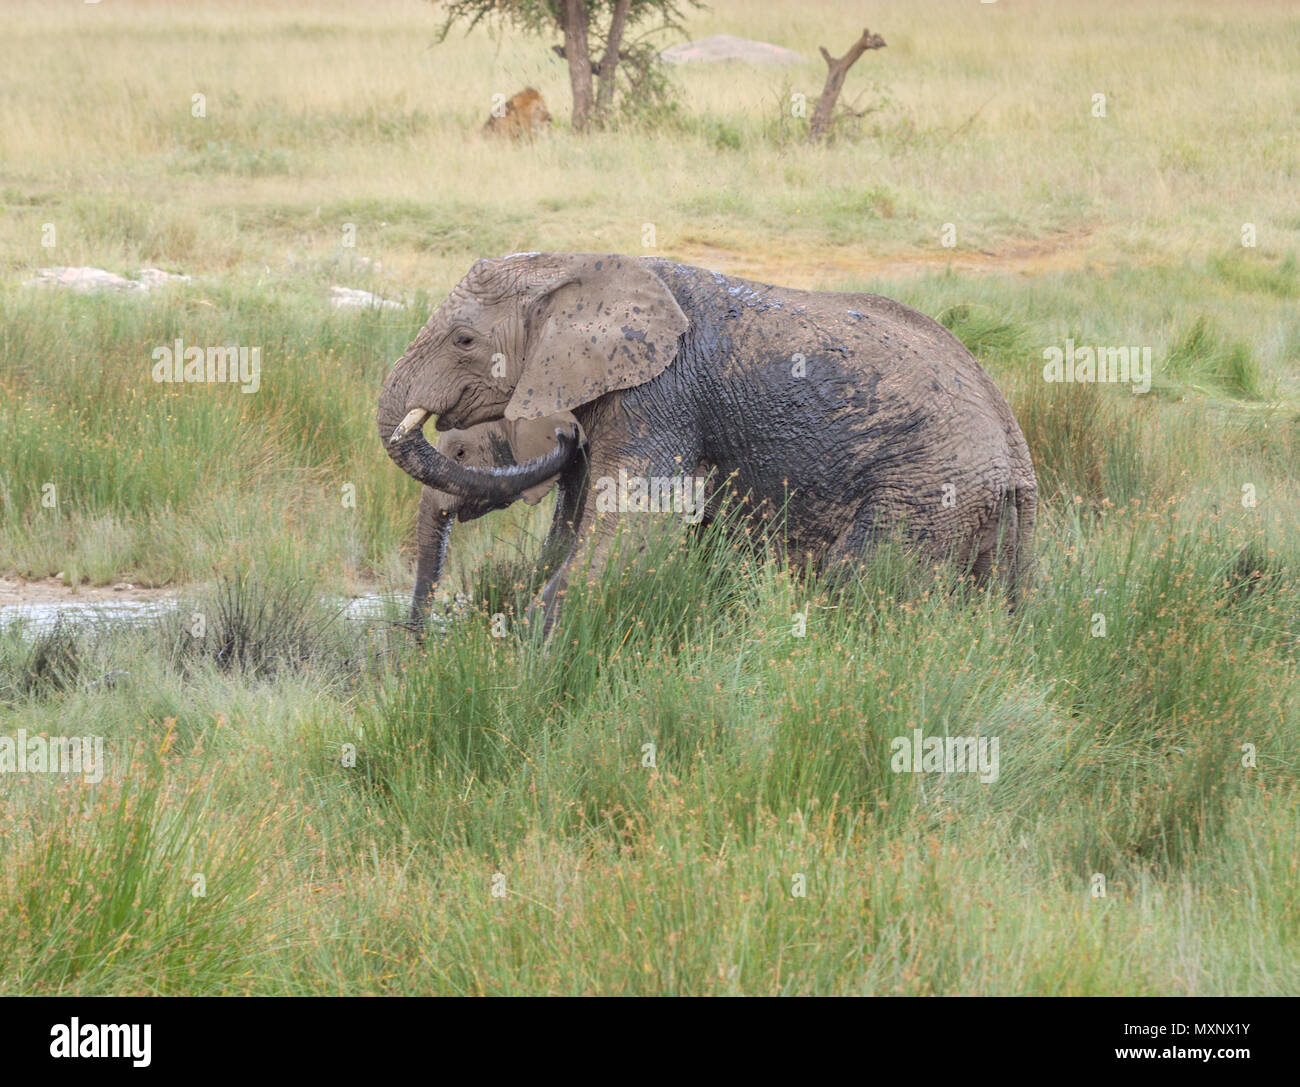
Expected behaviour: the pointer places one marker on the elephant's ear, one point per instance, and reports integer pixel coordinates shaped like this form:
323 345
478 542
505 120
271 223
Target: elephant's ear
532 438
597 322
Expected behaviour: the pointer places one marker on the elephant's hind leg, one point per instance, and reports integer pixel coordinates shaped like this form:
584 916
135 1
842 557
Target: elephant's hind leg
1005 545
1021 562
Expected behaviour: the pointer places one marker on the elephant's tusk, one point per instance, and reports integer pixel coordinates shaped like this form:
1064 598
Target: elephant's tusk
414 418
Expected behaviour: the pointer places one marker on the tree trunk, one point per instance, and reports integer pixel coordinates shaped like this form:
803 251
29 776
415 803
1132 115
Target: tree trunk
609 62
838 69
576 53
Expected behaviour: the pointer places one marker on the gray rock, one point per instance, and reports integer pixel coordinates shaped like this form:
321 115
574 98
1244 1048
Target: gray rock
96 279
155 277
728 47
352 298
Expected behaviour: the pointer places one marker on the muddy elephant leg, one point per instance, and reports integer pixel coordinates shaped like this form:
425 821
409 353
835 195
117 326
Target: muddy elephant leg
598 528
593 542
984 566
569 497
592 538
878 523
1019 563
851 550
1003 552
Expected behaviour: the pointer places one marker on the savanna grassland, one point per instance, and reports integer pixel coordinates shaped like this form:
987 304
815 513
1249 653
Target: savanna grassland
1160 754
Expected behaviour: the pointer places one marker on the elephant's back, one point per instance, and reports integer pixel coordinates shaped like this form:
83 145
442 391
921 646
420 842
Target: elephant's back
886 334
873 335
892 373
912 357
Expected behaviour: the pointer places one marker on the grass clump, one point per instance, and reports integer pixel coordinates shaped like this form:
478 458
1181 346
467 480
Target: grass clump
1201 354
53 661
256 626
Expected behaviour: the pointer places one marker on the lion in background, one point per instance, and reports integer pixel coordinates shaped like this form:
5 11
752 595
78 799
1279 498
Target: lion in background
524 116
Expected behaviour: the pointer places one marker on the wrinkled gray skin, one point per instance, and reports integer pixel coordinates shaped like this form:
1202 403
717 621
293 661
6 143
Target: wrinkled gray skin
490 445
865 414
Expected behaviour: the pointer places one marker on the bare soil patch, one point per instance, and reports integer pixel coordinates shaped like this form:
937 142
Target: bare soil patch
816 267
51 590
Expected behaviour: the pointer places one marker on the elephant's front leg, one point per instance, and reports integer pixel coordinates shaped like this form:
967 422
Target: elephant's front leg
569 497
608 512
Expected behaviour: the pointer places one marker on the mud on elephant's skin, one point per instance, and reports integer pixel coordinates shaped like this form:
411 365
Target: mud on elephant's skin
498 444
852 413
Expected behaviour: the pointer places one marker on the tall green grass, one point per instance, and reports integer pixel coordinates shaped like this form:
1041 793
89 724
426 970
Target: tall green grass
352 830
693 651
166 481
140 883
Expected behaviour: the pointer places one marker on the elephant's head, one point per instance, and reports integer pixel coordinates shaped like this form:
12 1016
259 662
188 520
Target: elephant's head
519 338
499 444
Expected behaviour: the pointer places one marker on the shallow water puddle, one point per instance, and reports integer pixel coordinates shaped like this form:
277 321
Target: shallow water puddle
37 618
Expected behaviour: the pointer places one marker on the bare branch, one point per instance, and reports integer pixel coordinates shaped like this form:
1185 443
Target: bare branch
836 71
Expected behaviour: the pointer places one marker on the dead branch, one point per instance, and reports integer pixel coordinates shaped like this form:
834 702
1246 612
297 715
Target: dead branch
837 70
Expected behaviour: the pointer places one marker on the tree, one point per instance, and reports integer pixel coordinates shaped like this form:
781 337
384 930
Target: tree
837 69
595 46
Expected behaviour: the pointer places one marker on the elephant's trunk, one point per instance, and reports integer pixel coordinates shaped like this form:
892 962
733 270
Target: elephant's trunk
432 533
400 430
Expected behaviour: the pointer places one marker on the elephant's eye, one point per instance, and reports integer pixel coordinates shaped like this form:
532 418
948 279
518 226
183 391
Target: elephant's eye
464 339
460 453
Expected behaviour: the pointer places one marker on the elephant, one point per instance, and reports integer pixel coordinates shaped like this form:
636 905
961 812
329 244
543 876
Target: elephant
848 416
495 444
